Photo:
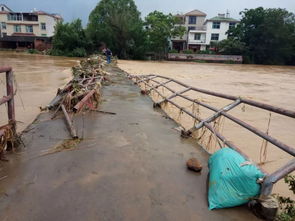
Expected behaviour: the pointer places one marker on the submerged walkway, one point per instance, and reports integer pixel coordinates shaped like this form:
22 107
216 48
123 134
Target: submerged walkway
130 166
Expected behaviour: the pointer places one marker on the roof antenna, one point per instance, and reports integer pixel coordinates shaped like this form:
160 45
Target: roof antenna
227 13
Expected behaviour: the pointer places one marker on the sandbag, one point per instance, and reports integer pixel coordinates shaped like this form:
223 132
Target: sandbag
232 179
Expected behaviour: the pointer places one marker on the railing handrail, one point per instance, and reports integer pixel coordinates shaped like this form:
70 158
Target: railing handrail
9 98
253 103
270 179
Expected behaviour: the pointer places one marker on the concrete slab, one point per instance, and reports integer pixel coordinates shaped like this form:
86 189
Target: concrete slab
129 166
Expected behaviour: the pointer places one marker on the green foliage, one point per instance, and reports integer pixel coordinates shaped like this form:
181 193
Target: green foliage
173 51
160 28
117 24
231 46
268 36
69 40
32 51
287 205
188 51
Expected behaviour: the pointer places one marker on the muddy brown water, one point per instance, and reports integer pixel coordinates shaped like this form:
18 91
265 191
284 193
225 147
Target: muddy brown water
268 84
37 79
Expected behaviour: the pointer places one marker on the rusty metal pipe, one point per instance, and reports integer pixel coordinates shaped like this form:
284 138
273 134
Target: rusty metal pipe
5 99
270 180
5 69
268 107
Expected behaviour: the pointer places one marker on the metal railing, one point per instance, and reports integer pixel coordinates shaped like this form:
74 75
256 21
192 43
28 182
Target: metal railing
9 99
154 82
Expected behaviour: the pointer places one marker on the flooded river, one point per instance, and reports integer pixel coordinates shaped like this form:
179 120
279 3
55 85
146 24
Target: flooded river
37 79
268 84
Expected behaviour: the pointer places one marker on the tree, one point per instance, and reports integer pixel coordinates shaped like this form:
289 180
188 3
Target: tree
268 34
69 39
160 29
231 46
117 24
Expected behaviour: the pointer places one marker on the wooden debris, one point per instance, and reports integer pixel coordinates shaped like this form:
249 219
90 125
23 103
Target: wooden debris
82 92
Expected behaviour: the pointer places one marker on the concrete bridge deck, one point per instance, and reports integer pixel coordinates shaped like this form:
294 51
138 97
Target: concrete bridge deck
130 166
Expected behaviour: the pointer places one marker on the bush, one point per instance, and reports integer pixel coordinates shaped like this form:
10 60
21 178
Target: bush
32 51
173 51
287 205
188 52
79 52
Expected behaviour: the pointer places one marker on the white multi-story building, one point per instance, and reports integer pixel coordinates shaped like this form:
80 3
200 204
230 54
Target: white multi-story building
192 21
25 29
217 27
200 35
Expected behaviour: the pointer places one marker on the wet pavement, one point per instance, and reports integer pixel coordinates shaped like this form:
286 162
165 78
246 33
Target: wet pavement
129 166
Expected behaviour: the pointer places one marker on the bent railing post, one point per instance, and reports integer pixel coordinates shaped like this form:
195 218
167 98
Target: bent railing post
270 180
9 99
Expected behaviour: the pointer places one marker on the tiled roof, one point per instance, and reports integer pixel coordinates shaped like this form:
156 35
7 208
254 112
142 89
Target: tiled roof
196 12
218 18
6 7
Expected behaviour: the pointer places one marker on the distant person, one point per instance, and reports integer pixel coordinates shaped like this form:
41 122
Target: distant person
108 54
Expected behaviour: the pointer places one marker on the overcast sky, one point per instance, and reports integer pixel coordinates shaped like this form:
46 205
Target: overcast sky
71 9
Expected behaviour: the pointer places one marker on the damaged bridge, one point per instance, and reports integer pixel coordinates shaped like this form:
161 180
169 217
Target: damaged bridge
129 166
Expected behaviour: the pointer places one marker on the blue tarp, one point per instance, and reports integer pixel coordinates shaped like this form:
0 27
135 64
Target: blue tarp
233 180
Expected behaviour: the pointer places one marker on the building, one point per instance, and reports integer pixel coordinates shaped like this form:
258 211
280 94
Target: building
193 20
26 29
200 32
217 27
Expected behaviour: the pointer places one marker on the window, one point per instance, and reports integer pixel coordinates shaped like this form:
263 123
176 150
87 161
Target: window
17 28
2 8
191 28
3 25
214 37
198 36
14 17
232 25
29 28
216 25
43 26
192 20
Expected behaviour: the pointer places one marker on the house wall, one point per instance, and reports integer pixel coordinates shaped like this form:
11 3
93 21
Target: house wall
199 24
224 26
37 31
191 38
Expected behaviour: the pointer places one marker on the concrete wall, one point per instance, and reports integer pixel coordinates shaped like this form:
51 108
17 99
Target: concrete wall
205 57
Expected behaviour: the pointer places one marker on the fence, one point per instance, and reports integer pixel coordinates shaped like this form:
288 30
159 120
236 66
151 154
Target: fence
205 57
8 132
154 82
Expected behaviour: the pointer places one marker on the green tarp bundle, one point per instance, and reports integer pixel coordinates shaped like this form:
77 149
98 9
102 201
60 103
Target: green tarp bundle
233 180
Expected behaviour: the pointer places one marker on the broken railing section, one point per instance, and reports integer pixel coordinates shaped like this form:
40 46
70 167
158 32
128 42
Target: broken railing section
8 131
155 82
81 93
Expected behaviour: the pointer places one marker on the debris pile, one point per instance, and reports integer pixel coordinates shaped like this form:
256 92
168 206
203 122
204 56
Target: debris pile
82 92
